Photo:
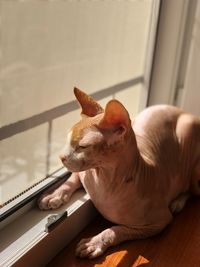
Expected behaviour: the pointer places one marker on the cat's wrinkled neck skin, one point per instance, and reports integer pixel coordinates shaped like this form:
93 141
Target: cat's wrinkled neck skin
123 166
119 176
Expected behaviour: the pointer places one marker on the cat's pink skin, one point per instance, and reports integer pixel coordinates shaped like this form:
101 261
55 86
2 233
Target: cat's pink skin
136 177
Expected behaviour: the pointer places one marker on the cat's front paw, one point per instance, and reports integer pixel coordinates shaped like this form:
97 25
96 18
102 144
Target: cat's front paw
91 247
54 199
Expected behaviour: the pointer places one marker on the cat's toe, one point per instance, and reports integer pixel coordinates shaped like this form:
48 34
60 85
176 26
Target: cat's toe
55 199
89 248
50 202
55 202
43 202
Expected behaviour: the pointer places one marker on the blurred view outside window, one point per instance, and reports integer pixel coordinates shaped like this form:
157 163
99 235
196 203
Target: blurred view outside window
47 48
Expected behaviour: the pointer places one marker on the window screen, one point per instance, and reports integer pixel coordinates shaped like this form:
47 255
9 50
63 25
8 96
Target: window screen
47 48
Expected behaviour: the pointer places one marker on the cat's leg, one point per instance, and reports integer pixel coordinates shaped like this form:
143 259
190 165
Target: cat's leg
95 246
56 196
178 203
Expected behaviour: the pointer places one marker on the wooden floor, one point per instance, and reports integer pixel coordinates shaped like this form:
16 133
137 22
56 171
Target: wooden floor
178 245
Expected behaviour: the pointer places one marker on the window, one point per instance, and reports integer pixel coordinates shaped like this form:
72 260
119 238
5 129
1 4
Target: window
47 48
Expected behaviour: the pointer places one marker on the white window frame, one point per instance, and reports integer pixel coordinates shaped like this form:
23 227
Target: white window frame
161 78
170 37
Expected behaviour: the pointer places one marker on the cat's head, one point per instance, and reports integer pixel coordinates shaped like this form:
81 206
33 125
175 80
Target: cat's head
98 137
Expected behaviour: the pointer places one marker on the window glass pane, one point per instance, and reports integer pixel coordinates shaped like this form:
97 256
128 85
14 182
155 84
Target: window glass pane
47 48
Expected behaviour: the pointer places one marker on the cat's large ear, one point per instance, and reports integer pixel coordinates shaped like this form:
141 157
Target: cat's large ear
89 106
115 117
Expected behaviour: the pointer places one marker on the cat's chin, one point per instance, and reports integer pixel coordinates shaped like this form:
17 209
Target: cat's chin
76 168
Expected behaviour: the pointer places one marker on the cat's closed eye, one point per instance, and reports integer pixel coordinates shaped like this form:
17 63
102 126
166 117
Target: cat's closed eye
83 147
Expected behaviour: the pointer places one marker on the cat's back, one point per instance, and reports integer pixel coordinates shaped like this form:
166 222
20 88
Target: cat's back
155 129
157 116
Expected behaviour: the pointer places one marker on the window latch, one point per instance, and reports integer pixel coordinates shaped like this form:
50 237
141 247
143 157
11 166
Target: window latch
53 220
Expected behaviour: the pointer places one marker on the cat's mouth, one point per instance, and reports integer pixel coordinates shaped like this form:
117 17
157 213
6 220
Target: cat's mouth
73 166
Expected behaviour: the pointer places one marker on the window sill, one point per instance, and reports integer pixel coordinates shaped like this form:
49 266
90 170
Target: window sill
25 242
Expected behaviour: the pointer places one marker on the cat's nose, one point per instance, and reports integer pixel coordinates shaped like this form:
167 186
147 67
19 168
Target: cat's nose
63 157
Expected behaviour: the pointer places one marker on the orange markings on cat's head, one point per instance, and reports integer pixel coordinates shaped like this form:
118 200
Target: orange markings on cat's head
115 116
79 128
